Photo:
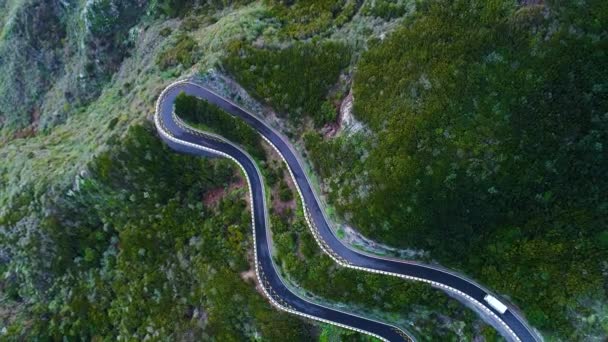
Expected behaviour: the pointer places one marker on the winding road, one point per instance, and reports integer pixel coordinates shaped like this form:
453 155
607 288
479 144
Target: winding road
184 139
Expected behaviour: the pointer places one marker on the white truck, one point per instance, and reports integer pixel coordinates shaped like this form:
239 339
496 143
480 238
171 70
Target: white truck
495 303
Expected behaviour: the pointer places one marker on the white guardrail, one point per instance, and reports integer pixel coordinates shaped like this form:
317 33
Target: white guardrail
324 247
167 135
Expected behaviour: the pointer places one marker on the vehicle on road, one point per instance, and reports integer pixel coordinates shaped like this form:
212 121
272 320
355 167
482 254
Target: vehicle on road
184 139
495 303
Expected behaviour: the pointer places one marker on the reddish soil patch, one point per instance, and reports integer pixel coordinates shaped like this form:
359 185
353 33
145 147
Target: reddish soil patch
30 130
249 276
213 197
25 133
35 118
344 108
279 206
331 129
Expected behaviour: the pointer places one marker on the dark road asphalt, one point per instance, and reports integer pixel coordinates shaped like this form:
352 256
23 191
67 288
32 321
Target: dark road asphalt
186 141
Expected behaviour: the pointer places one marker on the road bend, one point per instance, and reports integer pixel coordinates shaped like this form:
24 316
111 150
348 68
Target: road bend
187 140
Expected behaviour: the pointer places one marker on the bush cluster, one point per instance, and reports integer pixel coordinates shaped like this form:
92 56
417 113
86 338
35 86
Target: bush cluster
210 117
489 151
183 52
132 252
294 80
310 18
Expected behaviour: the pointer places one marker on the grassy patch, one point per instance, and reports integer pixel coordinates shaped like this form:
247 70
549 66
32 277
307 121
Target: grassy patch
183 52
340 233
386 9
305 19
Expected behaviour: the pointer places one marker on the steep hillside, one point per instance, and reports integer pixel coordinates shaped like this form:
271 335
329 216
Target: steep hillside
488 151
104 233
476 138
85 176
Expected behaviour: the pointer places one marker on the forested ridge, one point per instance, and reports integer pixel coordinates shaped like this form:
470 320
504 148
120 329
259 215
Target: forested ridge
133 252
490 128
105 233
410 304
294 80
478 138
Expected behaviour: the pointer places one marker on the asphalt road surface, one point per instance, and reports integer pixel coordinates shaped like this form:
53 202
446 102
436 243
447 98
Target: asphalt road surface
186 140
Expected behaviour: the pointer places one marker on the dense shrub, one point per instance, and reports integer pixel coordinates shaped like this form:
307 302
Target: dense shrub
173 8
294 80
165 32
108 23
490 131
31 57
212 118
299 255
105 18
305 19
131 251
180 8
386 9
303 263
285 193
182 52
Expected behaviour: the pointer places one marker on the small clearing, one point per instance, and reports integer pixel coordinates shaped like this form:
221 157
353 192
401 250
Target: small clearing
346 119
212 198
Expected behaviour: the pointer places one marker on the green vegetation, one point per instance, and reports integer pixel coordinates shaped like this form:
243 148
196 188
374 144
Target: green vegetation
173 8
33 34
132 251
211 118
488 151
109 37
106 18
331 333
338 162
302 262
56 57
165 31
103 233
182 52
83 264
181 8
391 298
294 80
386 9
285 193
305 19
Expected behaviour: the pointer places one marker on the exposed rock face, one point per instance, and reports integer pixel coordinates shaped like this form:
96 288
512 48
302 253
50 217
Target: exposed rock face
31 57
56 56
